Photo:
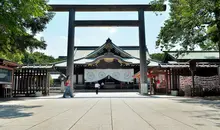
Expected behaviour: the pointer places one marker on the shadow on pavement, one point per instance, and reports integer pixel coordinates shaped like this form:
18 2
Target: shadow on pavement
213 104
218 124
212 115
16 99
15 111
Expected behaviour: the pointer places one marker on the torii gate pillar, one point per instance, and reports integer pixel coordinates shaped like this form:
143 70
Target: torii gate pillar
143 49
70 47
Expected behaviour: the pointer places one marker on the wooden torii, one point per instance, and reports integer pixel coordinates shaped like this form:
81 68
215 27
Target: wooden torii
72 9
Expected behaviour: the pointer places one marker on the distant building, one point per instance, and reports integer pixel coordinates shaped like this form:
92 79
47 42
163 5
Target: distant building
118 68
180 77
6 77
114 65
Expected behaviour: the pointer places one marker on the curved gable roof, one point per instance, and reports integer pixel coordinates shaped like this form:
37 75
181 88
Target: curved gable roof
87 51
108 45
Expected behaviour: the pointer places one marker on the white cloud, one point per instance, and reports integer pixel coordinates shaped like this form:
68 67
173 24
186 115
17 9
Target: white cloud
39 35
103 28
78 41
113 30
178 47
63 38
110 30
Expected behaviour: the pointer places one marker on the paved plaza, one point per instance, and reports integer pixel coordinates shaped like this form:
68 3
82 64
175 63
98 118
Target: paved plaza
109 111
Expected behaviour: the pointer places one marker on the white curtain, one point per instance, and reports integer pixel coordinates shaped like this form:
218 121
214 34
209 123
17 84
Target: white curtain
80 79
123 75
74 78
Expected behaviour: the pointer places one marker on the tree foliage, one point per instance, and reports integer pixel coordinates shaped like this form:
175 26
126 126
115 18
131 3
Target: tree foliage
20 21
38 58
157 56
192 23
16 57
29 58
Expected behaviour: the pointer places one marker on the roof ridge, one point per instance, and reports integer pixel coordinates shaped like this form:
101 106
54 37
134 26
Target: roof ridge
188 51
109 41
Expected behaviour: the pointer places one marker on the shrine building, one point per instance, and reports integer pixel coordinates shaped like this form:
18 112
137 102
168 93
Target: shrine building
111 64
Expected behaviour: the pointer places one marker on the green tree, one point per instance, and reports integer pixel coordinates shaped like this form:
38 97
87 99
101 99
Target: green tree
20 21
29 58
38 58
157 56
16 57
192 23
51 81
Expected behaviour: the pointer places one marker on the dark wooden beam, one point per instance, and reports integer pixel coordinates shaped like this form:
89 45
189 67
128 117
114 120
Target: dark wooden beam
167 74
99 23
31 81
25 82
15 82
22 82
104 8
143 48
70 47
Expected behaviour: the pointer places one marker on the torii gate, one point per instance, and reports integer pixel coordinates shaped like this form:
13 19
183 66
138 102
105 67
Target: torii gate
88 23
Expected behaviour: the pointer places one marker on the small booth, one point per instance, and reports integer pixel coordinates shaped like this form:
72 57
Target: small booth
6 77
157 80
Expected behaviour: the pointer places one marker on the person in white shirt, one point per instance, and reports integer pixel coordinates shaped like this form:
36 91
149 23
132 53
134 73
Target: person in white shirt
97 85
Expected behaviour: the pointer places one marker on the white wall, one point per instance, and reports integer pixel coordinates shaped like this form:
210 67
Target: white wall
80 79
74 79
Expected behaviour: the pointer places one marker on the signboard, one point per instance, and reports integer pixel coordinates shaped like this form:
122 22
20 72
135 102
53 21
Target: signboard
5 75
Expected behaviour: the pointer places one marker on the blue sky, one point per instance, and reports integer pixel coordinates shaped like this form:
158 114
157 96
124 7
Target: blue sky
56 32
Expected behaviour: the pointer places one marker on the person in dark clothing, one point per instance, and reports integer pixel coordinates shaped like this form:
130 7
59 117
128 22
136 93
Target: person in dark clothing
97 86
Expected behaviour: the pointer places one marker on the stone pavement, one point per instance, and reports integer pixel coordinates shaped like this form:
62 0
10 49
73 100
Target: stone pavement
110 111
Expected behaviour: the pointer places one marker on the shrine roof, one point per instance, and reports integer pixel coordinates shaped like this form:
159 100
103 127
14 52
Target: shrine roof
37 66
186 65
88 54
189 55
128 60
108 46
9 63
79 61
92 51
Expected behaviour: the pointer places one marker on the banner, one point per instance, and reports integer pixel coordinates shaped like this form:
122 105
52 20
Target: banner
123 75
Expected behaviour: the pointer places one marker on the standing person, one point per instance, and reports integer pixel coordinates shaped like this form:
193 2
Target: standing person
154 85
97 87
102 85
67 88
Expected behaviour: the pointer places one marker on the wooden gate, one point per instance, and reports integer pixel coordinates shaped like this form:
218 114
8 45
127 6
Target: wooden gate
28 81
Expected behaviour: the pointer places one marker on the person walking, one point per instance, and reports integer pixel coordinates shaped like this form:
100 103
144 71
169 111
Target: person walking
67 88
97 85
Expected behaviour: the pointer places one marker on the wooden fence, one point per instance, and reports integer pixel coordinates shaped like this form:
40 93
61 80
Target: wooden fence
29 81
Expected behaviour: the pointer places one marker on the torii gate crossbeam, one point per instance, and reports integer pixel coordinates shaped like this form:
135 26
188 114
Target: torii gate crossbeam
107 8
